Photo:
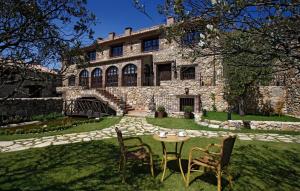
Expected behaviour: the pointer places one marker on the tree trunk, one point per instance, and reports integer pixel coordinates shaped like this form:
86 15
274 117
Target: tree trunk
241 107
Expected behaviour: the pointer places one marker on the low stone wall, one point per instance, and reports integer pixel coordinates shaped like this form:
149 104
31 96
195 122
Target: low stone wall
30 106
261 125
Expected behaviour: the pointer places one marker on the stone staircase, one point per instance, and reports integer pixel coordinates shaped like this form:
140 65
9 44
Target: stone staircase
116 100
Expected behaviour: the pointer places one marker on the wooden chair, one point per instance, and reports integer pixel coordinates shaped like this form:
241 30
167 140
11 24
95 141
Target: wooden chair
140 151
216 162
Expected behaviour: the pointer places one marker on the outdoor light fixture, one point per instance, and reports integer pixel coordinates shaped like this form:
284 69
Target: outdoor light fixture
186 91
174 69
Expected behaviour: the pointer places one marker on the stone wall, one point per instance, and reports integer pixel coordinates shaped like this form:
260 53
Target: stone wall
30 106
260 125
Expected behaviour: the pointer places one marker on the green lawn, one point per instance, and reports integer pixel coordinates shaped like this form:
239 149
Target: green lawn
94 166
181 123
222 116
104 123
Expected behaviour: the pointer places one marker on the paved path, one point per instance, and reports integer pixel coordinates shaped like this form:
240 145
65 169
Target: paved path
131 126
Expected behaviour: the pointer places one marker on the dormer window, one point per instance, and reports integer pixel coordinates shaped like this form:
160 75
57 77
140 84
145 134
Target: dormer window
191 37
92 56
116 50
151 44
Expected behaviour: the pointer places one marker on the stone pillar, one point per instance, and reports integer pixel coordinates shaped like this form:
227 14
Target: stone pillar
154 74
139 72
120 76
103 77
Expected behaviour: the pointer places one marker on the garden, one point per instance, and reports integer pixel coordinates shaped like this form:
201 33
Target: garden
94 166
55 124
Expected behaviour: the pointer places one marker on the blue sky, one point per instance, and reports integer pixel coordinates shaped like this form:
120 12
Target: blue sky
116 15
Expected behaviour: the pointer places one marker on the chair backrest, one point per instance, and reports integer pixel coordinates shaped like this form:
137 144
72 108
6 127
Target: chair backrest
227 147
120 140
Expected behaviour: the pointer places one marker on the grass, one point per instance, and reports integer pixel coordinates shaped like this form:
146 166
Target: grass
222 116
94 166
104 123
181 123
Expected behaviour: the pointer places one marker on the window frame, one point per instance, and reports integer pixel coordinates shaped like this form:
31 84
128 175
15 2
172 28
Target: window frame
118 53
153 44
185 74
93 57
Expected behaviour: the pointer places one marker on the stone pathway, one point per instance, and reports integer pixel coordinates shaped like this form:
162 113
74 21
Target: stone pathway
132 126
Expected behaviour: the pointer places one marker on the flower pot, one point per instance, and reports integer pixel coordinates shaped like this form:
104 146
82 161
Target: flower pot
188 115
160 114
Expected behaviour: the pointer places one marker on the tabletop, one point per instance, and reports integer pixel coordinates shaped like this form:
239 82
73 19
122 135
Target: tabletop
171 138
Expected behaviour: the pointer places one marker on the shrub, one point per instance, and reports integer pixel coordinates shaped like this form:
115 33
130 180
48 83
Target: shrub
161 108
213 97
188 109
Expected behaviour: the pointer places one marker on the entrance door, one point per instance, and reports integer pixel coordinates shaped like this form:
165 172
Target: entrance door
164 72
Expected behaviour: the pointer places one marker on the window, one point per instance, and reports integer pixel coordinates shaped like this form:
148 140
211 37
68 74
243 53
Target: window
84 78
187 73
116 50
112 76
71 80
96 78
92 56
187 102
191 37
151 44
129 75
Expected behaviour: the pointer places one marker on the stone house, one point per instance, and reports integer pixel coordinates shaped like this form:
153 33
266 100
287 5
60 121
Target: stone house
32 81
144 69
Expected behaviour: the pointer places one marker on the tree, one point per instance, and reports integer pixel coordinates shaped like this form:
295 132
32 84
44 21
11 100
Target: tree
40 32
254 38
244 72
273 22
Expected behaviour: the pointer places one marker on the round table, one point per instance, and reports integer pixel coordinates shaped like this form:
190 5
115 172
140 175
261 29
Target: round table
167 156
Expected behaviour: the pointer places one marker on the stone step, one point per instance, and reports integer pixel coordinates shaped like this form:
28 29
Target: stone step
137 113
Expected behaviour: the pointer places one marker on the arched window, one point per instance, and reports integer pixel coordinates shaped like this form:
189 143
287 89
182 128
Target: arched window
96 78
71 80
129 75
112 76
84 78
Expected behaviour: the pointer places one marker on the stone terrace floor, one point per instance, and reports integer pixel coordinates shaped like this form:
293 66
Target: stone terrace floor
132 126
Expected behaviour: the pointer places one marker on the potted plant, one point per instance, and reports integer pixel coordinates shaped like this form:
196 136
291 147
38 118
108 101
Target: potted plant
188 112
161 111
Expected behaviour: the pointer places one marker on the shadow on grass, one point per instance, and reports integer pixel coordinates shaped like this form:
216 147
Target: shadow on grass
94 166
256 167
265 168
81 166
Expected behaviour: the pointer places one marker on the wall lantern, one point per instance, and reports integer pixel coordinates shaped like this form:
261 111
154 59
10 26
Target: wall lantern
174 69
186 91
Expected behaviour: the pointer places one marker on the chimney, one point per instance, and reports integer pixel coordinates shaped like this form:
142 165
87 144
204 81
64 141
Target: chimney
111 36
99 39
170 20
128 31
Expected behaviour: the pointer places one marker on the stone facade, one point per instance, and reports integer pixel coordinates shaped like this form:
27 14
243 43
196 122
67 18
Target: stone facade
39 82
26 107
167 91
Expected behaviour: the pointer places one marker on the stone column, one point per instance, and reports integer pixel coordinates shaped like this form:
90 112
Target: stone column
120 75
154 74
139 72
103 76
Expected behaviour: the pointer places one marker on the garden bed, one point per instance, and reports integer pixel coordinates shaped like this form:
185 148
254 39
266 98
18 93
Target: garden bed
222 116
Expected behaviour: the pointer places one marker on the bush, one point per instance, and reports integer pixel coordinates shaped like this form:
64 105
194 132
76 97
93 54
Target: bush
161 108
188 109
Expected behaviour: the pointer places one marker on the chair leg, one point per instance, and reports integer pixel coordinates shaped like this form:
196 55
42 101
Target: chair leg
120 163
151 166
219 176
187 180
123 170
